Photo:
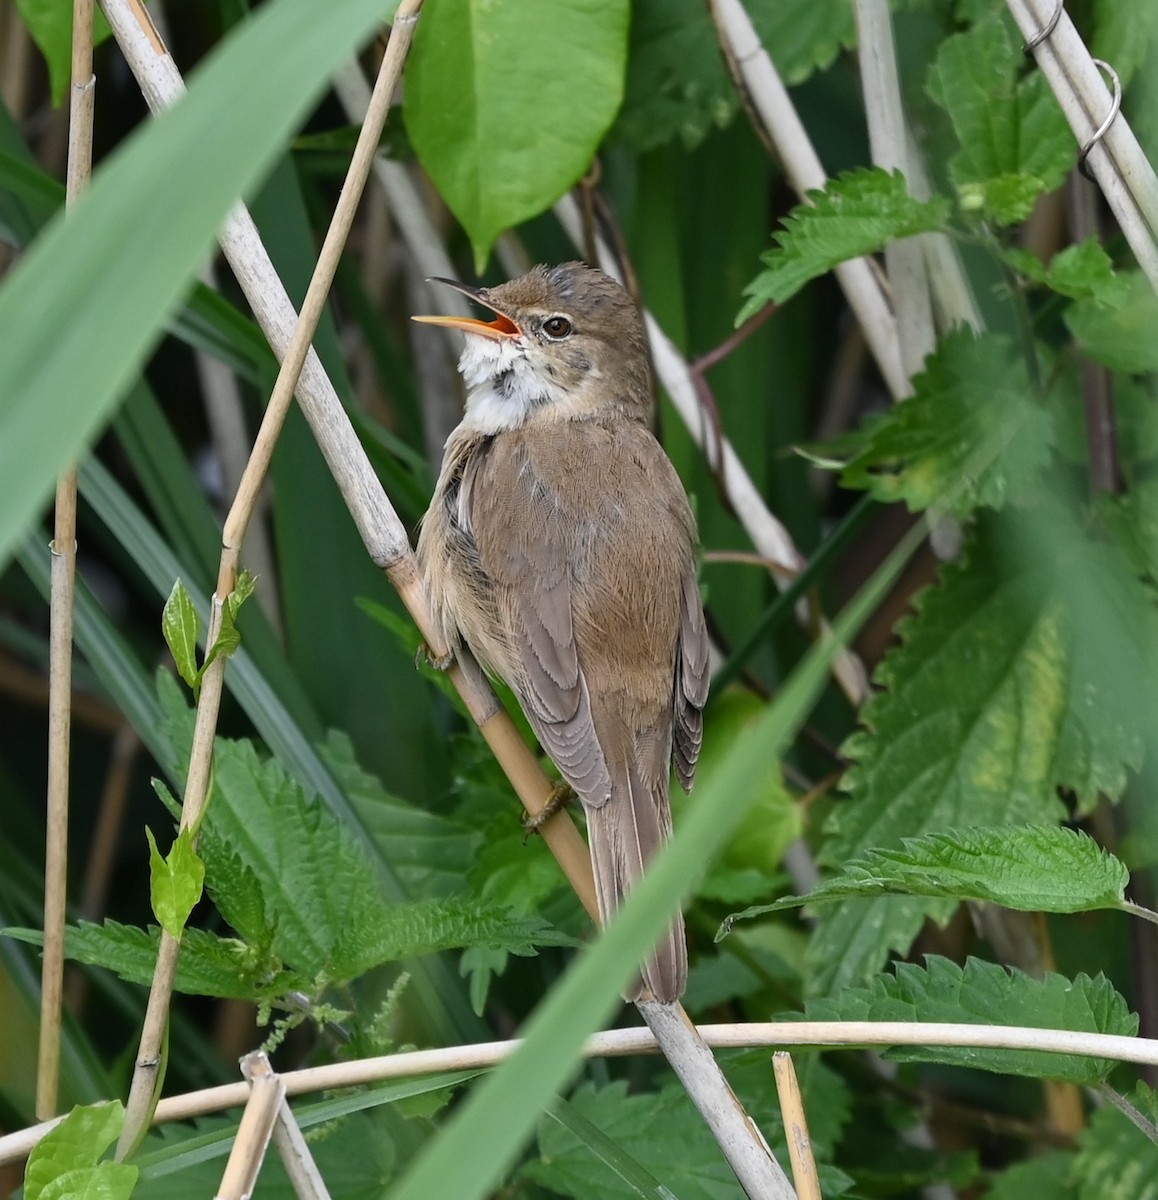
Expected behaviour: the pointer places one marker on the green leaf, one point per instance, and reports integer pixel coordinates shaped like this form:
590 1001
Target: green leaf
181 625
859 213
209 965
1014 141
1119 330
1028 669
76 306
175 881
244 587
1035 868
1081 272
65 1164
1117 1161
507 103
984 993
804 36
1124 31
50 23
1047 1175
972 434
677 85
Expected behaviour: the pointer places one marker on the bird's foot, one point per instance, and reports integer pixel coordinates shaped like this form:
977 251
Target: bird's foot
561 795
426 656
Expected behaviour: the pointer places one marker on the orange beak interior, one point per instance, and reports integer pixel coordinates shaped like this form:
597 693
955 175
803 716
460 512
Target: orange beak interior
501 327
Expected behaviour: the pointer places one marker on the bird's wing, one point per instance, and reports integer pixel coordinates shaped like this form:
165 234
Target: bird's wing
690 684
524 538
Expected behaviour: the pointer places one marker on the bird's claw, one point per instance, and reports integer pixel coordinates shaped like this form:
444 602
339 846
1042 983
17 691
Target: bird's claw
426 657
560 796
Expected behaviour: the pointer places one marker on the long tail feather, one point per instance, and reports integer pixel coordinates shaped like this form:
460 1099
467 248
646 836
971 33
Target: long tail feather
625 833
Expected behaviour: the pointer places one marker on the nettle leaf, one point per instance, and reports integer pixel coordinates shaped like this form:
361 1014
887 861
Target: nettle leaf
507 103
50 23
431 854
1081 272
1028 669
208 966
65 1164
984 993
1119 330
858 213
971 435
1046 1175
1117 1161
181 625
661 1133
1015 143
176 881
803 36
1035 868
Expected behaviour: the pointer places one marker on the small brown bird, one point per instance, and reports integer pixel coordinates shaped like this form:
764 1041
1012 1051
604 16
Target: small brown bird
560 548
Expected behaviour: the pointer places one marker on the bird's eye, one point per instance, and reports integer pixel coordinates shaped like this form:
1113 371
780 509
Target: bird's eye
556 327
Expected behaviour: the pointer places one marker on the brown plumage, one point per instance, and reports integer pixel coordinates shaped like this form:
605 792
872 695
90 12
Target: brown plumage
559 547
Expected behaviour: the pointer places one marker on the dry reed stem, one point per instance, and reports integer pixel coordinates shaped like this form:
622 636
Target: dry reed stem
147 1073
80 131
776 119
905 259
796 1127
1117 162
619 1043
266 1096
294 1151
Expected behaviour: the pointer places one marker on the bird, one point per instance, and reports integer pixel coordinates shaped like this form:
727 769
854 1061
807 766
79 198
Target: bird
560 548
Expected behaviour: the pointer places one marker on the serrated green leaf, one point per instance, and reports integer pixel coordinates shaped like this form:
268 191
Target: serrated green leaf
971 435
65 1164
506 104
858 213
1014 141
1121 333
1035 868
176 881
208 966
50 23
984 993
1081 272
1117 1161
181 625
804 36
1030 668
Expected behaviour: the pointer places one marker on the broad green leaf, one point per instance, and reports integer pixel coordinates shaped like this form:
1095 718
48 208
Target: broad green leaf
65 1163
858 213
1014 142
181 626
50 23
76 306
1120 330
507 103
1081 272
973 434
176 881
1133 519
984 993
1036 868
1028 669
804 36
1117 1161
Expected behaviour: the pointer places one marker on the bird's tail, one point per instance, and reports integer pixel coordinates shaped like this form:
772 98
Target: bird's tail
625 833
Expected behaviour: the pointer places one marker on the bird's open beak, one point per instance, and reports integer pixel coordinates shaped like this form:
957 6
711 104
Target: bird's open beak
498 329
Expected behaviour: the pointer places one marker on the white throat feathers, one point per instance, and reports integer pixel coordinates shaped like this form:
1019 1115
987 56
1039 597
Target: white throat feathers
503 388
